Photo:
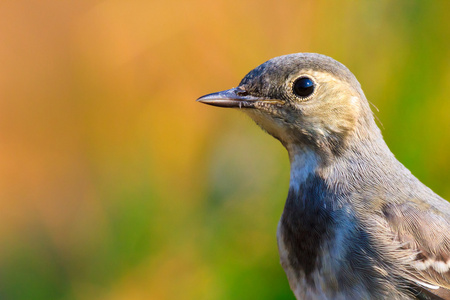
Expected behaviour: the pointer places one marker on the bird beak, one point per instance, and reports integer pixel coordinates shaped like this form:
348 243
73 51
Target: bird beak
234 97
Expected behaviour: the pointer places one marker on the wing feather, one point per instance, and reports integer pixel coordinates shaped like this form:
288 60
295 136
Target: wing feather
422 230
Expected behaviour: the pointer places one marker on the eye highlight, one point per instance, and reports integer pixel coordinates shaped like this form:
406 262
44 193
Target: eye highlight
303 87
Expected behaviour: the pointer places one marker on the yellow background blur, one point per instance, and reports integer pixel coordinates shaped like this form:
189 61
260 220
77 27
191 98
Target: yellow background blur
116 184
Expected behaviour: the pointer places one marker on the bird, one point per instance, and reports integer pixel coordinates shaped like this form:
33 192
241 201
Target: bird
356 224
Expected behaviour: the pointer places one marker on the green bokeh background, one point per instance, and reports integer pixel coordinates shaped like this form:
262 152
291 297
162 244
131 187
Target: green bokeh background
116 184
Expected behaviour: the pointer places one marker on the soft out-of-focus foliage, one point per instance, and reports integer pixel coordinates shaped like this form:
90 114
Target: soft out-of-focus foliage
115 184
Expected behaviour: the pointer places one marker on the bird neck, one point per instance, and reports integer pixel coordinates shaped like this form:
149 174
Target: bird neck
340 174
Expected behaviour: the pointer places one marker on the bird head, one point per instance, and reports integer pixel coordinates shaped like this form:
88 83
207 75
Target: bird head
304 100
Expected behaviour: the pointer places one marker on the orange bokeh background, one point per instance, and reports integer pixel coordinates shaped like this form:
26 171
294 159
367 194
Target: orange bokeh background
116 184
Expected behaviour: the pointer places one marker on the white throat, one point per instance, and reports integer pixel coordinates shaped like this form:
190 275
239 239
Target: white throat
303 163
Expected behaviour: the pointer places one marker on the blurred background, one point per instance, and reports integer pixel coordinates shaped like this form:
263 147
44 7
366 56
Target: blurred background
116 184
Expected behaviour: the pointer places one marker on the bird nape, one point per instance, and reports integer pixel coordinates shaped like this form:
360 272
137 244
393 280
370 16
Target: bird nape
356 224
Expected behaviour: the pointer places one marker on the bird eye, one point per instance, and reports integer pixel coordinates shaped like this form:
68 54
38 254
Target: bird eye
303 87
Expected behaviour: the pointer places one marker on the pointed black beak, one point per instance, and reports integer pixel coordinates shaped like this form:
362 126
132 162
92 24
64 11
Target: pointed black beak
234 97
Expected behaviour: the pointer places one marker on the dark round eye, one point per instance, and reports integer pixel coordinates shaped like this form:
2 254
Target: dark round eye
303 87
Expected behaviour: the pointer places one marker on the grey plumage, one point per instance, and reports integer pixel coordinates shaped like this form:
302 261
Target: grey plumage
356 224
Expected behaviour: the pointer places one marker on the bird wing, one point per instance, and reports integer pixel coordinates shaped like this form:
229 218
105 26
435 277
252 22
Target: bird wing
423 230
